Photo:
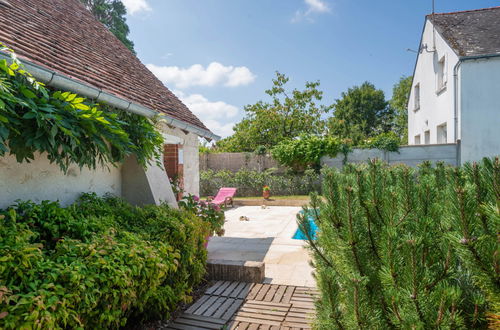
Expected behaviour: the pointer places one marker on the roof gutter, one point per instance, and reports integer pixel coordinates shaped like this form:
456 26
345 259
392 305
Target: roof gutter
63 82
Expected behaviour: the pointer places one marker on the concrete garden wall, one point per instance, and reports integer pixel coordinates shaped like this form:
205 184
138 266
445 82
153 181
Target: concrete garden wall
409 155
235 161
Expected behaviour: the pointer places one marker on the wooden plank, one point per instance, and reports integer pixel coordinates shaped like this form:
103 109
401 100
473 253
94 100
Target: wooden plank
243 325
306 315
223 308
307 299
177 326
270 294
265 327
253 326
251 320
197 304
215 306
228 314
288 294
293 324
239 287
256 288
221 288
268 303
259 316
271 308
203 318
229 289
279 293
246 290
297 319
263 291
199 324
206 305
214 287
262 311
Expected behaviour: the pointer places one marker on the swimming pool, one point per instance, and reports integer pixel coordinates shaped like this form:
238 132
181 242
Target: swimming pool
299 234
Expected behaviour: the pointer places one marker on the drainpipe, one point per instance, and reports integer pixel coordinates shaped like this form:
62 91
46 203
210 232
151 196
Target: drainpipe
455 99
65 83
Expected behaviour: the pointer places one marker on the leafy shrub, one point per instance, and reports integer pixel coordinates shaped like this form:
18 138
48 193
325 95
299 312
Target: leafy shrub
404 248
388 141
250 182
305 151
210 213
96 264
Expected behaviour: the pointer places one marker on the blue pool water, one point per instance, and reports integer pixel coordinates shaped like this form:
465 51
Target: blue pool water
299 234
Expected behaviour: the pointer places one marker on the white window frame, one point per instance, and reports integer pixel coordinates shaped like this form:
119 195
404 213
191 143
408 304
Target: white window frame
419 139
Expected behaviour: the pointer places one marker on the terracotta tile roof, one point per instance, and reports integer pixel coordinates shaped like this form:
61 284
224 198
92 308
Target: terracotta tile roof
472 32
64 36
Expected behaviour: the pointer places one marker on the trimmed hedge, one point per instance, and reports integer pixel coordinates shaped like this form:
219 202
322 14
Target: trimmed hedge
97 263
250 183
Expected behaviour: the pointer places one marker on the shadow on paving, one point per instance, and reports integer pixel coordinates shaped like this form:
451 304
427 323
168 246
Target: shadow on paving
239 248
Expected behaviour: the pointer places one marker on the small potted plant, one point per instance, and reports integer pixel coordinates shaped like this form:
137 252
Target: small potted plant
266 192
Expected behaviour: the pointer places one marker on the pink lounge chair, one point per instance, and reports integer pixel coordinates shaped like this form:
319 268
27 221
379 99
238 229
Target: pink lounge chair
223 197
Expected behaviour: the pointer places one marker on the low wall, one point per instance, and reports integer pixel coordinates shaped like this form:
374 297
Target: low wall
408 155
234 161
40 180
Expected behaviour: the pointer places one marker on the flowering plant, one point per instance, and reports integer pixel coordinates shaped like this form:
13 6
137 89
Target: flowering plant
210 213
266 188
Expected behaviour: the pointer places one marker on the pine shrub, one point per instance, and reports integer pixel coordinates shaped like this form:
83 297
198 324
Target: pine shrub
407 248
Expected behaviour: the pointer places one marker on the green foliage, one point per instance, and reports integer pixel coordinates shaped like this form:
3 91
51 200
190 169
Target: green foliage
405 248
111 13
286 116
388 141
250 183
96 264
399 103
305 151
69 129
360 113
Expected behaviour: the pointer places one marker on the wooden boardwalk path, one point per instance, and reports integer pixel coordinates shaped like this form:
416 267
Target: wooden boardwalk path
238 305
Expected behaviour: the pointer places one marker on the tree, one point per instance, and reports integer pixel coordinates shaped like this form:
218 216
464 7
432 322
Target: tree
111 13
361 112
399 103
286 116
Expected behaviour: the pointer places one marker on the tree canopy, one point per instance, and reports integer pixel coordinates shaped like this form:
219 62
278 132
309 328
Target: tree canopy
286 115
399 103
112 14
361 112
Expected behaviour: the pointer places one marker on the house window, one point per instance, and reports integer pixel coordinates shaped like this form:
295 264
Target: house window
417 139
441 74
442 135
427 137
416 93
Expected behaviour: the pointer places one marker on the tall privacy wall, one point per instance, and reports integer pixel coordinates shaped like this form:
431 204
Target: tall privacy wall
408 155
235 161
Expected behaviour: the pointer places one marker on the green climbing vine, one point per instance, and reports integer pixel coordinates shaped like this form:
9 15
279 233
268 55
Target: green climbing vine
68 128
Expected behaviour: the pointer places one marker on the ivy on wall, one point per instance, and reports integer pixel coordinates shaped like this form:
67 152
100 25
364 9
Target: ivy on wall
68 128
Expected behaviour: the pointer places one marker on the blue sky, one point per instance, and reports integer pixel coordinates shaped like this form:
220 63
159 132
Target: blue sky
219 55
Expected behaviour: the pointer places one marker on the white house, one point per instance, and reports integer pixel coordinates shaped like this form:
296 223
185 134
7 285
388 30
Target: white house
63 45
455 95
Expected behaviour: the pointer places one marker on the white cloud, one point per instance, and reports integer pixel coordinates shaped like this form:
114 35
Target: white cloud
135 6
197 75
313 7
213 114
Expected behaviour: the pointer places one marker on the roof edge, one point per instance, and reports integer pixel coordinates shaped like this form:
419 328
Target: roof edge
60 81
463 11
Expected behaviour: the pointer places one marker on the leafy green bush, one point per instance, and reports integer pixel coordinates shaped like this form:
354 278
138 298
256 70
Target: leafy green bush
388 141
210 213
305 151
250 182
96 264
404 248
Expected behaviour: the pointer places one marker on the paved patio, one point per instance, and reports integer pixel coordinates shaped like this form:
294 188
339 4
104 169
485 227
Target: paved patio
266 237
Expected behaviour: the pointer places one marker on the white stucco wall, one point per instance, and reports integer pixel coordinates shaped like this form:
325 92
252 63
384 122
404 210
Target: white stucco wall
191 158
436 106
480 108
40 180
